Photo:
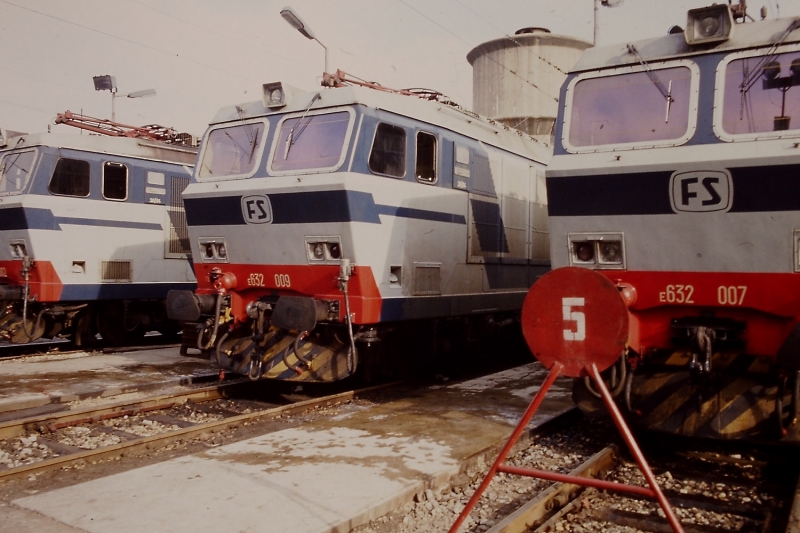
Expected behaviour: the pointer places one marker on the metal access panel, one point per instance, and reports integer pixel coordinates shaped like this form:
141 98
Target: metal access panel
176 244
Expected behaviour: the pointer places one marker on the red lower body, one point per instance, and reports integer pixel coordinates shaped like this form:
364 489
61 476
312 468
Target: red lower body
767 303
43 281
318 281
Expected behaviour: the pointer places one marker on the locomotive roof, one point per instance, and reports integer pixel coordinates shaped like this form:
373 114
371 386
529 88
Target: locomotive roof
432 112
119 146
744 36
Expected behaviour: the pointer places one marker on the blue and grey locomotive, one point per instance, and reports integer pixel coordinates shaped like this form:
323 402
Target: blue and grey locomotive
325 222
93 234
676 174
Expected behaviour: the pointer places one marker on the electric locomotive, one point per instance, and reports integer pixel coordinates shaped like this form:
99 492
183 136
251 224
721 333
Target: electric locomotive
325 223
676 174
93 232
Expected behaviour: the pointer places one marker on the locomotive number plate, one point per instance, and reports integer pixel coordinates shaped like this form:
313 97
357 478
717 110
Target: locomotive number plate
255 279
677 294
731 295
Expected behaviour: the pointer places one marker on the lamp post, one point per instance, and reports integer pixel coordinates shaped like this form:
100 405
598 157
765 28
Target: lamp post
604 3
297 23
109 83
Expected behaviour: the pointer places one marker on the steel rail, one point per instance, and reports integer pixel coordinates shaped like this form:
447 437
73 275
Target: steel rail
61 419
164 439
158 441
536 511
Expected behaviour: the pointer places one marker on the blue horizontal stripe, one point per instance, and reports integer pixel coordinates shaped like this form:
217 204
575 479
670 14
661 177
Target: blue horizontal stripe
422 214
107 223
307 208
118 291
760 189
17 218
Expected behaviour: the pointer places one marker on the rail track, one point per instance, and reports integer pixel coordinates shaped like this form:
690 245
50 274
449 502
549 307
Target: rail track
711 491
65 347
124 428
711 488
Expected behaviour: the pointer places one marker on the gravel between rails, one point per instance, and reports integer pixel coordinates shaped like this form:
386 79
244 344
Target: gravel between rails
736 483
436 511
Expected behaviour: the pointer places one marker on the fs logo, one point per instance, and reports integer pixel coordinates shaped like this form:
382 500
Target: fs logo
701 191
256 209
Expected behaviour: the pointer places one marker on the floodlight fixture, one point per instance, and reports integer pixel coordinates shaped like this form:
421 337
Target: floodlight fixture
105 83
109 83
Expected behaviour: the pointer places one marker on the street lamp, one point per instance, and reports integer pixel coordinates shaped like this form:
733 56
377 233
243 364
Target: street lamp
297 23
604 3
109 83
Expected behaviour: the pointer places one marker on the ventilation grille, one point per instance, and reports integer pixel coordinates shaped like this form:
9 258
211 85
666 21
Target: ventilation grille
427 278
115 271
178 240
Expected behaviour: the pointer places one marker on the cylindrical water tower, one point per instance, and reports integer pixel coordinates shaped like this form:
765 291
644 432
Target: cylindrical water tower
516 80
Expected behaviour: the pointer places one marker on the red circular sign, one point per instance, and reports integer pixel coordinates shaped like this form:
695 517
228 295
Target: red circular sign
576 317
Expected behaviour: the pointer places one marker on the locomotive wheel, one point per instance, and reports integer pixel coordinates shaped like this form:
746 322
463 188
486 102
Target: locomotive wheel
84 328
112 324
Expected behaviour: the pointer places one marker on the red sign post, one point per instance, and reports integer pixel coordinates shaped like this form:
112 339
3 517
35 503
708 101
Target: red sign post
576 324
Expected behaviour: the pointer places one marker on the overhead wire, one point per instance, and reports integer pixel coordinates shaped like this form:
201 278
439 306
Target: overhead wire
129 41
42 111
487 57
509 37
213 31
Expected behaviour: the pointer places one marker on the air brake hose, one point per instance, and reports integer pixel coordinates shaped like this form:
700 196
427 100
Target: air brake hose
295 347
628 386
26 269
344 276
217 312
618 386
216 350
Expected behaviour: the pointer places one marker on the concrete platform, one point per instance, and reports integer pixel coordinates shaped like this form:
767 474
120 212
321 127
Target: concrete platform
53 379
326 476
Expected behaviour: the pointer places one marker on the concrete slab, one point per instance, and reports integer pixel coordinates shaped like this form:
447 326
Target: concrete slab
58 378
326 476
21 520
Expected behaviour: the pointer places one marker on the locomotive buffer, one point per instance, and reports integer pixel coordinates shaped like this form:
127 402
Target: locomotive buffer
576 324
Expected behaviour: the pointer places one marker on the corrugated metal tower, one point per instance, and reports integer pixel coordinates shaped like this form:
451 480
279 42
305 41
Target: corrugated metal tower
516 80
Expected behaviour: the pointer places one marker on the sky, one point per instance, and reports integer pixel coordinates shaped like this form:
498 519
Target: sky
201 55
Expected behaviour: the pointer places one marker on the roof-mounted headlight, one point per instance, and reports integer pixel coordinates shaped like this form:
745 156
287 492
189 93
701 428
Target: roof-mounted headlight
711 24
278 94
274 95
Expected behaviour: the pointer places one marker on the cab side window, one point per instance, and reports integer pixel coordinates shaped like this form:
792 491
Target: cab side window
425 168
388 155
70 178
115 181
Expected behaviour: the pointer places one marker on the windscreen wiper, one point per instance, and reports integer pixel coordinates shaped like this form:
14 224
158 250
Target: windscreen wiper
290 139
666 92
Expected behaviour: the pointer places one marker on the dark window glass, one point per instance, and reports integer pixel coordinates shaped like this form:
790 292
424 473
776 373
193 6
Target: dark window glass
629 108
426 157
314 141
761 96
115 181
70 178
388 154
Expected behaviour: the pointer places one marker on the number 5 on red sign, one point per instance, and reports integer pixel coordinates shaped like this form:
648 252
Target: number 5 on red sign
579 333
